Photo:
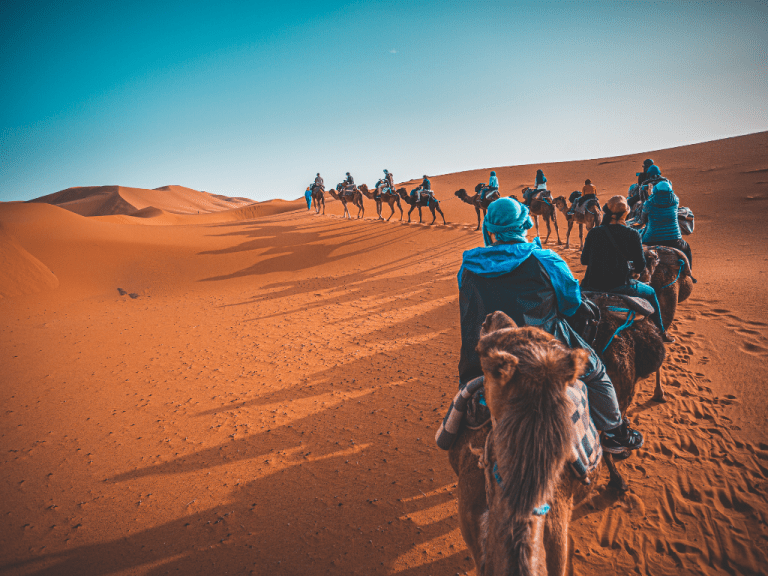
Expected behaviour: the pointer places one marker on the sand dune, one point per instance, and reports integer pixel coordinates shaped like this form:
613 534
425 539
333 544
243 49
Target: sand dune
261 395
22 273
109 200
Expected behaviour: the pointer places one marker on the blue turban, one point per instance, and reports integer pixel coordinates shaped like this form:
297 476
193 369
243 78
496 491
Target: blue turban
662 187
653 171
493 173
508 220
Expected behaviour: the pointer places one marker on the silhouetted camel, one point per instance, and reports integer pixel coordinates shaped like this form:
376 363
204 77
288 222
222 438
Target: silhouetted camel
427 200
390 198
476 201
355 198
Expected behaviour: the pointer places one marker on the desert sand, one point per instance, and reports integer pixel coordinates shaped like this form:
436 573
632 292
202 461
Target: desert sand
255 389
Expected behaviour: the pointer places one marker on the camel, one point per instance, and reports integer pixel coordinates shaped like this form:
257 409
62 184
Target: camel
542 205
355 198
590 218
427 200
668 271
390 198
527 447
629 355
476 201
318 197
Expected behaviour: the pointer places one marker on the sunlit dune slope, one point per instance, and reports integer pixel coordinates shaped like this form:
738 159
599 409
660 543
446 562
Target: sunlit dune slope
109 200
20 272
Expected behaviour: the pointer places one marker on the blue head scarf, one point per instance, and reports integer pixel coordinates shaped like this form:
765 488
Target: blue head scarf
653 171
662 187
508 220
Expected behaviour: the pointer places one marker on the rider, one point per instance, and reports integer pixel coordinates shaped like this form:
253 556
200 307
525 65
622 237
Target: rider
389 180
541 184
308 197
589 192
349 183
534 287
319 182
425 188
608 251
660 214
493 186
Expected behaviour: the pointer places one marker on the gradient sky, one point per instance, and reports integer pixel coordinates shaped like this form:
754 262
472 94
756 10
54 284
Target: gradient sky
244 100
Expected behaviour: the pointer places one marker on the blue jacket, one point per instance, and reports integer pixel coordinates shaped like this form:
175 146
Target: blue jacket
493 182
660 211
532 286
426 184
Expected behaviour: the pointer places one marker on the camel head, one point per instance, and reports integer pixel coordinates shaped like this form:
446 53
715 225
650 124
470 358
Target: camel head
520 361
651 261
461 194
561 204
363 188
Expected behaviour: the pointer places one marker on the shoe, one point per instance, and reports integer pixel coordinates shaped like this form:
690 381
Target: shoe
667 338
621 439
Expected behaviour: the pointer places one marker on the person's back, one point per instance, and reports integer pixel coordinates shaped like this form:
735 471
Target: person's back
606 264
660 212
541 180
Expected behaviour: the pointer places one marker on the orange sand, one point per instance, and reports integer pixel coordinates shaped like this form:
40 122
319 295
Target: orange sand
267 402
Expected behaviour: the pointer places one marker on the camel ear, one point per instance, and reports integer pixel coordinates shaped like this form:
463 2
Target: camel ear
576 364
496 321
498 366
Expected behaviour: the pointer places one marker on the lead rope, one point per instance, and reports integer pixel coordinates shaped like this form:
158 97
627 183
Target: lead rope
629 321
679 271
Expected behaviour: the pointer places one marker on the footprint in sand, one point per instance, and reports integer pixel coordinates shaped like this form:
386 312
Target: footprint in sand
753 348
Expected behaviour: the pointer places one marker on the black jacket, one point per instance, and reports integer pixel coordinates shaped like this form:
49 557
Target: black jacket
606 266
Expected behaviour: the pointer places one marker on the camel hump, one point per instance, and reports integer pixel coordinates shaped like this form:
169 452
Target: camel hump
672 256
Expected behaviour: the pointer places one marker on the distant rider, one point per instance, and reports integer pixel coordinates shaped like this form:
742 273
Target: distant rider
425 188
588 192
660 217
541 184
493 186
319 182
390 181
349 183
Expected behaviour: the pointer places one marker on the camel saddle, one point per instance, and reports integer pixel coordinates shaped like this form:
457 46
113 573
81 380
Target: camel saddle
639 306
469 409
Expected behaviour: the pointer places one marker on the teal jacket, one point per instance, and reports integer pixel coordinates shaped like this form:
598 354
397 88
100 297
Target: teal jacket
660 213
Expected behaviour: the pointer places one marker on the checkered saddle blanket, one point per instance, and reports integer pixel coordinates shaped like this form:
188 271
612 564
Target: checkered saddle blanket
468 409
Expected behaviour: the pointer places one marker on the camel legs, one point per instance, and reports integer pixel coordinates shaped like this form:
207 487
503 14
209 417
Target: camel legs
420 222
536 221
616 480
477 209
554 221
346 210
658 393
581 236
549 229
437 207
413 207
568 234
379 206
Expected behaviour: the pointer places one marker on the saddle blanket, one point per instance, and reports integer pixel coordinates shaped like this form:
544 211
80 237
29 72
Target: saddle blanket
468 409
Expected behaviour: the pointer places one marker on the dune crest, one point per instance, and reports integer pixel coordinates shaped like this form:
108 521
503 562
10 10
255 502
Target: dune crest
124 200
22 272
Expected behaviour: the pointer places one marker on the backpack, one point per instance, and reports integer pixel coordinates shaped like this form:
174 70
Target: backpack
685 220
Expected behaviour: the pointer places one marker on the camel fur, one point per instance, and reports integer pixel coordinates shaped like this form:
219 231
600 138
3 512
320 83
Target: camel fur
355 198
527 372
672 285
633 354
542 204
427 200
476 201
391 198
590 218
318 197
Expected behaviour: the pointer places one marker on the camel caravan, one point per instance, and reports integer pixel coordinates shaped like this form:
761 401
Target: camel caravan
383 193
548 366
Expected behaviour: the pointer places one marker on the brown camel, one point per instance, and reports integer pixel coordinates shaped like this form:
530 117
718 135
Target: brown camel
668 271
318 197
630 355
543 205
390 198
356 198
590 218
427 200
527 448
476 201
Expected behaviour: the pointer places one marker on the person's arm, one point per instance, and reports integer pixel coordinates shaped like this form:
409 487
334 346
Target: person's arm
472 315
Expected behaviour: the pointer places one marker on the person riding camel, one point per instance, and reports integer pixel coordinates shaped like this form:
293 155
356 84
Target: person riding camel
349 184
534 287
425 188
493 186
612 251
541 184
588 192
660 217
319 182
389 181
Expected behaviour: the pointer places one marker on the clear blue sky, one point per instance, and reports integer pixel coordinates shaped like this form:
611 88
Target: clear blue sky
244 100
